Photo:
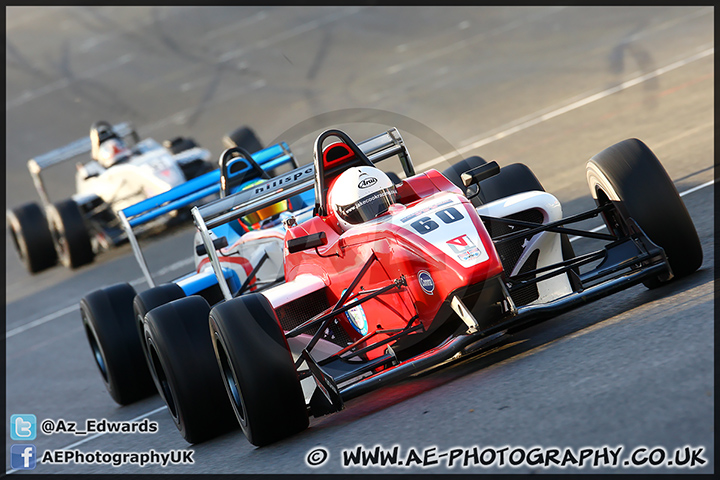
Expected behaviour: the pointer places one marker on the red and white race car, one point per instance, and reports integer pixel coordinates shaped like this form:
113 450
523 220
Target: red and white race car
388 279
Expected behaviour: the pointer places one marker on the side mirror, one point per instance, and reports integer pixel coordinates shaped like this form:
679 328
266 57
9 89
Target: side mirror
308 241
480 173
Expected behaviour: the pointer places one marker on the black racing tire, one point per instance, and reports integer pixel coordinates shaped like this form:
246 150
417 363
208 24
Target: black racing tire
31 237
196 168
454 172
179 144
185 371
70 234
631 176
512 179
258 369
149 299
243 137
108 320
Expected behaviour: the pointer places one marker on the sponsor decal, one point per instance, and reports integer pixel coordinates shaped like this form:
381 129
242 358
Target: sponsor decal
290 177
356 317
464 248
426 282
367 182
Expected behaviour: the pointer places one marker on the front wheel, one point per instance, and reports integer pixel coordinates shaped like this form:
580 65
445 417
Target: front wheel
184 368
108 319
70 234
257 369
629 175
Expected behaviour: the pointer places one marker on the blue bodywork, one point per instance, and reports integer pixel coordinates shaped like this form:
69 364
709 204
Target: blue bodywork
209 184
204 185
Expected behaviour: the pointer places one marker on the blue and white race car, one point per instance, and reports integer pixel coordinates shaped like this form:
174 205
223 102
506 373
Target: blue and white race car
122 171
251 259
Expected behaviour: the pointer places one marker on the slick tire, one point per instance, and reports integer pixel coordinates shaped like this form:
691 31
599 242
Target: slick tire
185 371
31 237
631 176
149 299
257 369
243 137
70 234
108 320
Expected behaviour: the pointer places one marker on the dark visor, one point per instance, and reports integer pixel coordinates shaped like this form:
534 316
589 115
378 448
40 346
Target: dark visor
368 207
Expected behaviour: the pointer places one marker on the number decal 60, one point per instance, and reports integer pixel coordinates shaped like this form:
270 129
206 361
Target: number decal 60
426 224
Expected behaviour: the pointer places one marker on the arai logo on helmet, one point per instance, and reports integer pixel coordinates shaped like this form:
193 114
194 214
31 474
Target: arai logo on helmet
367 182
426 282
356 316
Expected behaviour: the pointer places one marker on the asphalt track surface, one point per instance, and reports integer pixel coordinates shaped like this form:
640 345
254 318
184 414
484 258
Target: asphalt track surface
545 86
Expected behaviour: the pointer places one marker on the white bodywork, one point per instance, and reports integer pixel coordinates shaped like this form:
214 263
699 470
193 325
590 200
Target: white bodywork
149 172
245 254
547 242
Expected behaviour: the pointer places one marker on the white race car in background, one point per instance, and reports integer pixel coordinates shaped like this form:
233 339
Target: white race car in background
76 229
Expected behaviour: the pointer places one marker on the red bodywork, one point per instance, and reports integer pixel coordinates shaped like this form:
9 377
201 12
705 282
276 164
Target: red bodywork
399 252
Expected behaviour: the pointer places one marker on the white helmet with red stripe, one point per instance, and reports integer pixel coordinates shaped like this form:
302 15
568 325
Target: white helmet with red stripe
360 194
111 152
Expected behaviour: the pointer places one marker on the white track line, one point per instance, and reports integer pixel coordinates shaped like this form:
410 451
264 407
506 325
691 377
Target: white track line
41 321
93 437
424 166
539 118
72 308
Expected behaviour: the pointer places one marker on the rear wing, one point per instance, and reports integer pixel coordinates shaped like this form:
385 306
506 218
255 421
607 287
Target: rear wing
68 152
282 187
195 190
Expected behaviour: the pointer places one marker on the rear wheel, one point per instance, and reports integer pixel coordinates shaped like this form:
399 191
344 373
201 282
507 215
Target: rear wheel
31 237
629 175
107 316
257 369
184 368
153 298
512 179
70 234
243 137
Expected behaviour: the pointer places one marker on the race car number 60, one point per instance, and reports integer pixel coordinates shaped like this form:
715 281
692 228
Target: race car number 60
426 224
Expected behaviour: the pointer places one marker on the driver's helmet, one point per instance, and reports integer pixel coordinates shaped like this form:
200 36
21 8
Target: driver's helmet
360 194
111 152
